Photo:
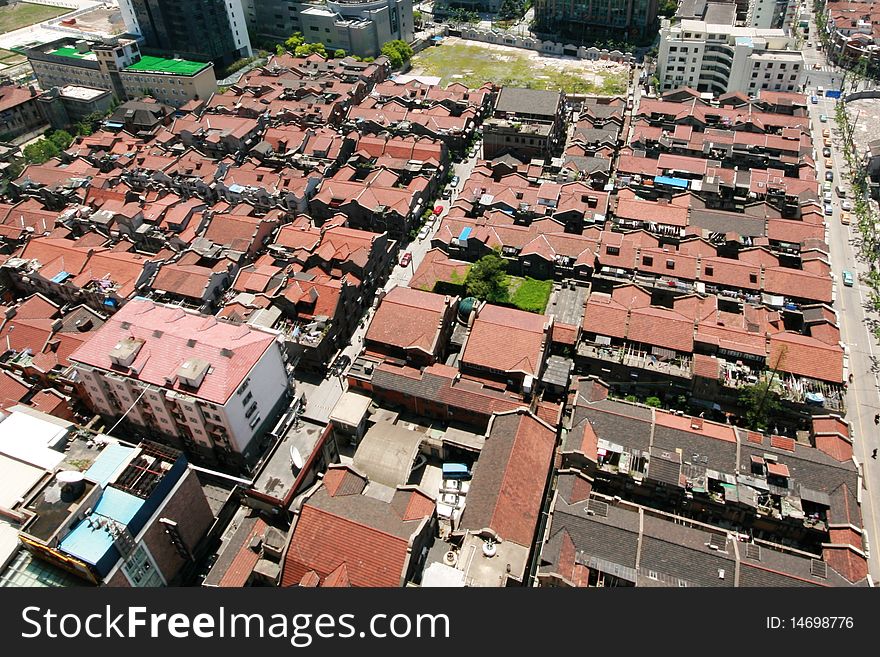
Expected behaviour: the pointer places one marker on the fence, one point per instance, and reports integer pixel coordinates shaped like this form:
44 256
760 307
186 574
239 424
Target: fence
546 47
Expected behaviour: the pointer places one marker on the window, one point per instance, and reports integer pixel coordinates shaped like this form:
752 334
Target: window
647 260
313 28
612 250
247 398
140 570
753 278
251 410
710 270
670 264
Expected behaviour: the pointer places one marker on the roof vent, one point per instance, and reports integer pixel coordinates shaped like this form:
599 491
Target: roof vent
190 343
227 353
818 568
753 552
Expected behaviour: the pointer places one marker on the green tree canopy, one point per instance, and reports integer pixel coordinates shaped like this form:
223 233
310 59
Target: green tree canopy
487 279
40 151
339 53
760 404
307 49
294 41
398 52
417 18
61 138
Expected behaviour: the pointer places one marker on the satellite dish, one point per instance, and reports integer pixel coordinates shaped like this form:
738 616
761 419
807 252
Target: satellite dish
296 458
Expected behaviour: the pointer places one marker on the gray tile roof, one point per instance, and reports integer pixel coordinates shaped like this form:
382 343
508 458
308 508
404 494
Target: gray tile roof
529 101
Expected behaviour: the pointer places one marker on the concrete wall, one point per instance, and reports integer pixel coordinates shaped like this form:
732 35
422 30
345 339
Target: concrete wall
547 47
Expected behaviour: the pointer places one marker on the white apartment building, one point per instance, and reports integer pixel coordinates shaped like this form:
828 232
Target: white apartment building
724 58
210 387
767 14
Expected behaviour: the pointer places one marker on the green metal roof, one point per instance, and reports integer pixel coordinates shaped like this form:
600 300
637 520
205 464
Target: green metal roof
70 51
148 64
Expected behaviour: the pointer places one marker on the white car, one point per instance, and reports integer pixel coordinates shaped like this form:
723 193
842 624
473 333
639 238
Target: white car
828 197
424 232
846 205
828 210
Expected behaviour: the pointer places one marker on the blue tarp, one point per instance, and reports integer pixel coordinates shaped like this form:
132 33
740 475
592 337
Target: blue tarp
672 182
108 462
60 277
832 93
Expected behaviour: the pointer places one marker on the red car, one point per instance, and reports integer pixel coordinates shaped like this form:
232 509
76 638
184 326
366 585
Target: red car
405 259
438 210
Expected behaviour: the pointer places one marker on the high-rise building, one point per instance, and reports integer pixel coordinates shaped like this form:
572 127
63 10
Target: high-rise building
216 29
583 19
715 55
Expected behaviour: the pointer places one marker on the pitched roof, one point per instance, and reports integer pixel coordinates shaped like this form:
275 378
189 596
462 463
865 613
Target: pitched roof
507 491
506 340
172 336
408 319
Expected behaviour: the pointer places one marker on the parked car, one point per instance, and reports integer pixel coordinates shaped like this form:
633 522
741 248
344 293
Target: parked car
827 142
829 176
823 118
844 218
814 100
828 197
826 152
826 187
455 180
826 132
424 232
848 278
846 205
405 259
829 163
828 210
438 210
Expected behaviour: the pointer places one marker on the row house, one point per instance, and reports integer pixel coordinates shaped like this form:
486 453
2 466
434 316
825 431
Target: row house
76 271
218 135
375 203
192 281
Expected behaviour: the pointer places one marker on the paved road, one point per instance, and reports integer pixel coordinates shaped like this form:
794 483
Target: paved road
322 395
863 400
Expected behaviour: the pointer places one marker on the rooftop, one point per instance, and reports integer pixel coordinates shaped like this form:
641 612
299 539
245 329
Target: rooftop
148 64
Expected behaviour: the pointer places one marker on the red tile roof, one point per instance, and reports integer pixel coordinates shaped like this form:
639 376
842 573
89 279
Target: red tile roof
12 390
242 565
232 350
509 501
806 356
408 319
506 340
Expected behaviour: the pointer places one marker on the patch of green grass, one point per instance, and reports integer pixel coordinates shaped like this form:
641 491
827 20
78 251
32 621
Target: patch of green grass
13 17
529 294
474 65
9 58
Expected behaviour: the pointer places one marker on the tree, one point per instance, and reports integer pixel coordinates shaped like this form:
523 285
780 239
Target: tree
398 52
61 138
307 49
280 49
294 41
760 404
40 151
487 279
510 9
668 8
417 18
339 53
654 402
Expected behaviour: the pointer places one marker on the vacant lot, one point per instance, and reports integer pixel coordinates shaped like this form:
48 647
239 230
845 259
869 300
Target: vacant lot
9 58
473 63
529 294
24 14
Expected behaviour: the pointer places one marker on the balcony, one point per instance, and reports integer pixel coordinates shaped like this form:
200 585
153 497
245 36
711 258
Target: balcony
631 356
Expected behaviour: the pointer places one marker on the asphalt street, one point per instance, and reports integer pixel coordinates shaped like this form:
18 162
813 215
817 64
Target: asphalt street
863 399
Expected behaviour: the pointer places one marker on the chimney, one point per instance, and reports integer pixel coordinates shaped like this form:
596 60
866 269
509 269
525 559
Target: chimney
33 90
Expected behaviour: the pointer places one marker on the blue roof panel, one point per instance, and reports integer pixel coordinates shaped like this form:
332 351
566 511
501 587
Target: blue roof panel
91 544
465 233
672 182
108 461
